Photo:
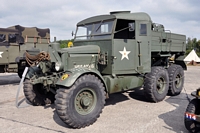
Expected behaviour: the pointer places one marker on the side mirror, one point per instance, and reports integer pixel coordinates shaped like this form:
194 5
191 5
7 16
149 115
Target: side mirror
131 26
72 33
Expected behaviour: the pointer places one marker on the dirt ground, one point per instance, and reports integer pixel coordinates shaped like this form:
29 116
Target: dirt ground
127 112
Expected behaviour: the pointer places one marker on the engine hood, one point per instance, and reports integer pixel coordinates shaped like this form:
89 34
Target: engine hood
87 49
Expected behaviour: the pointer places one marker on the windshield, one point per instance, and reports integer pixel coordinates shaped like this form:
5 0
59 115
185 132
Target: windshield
99 30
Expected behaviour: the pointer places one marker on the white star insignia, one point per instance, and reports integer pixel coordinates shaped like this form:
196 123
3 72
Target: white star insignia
0 54
124 54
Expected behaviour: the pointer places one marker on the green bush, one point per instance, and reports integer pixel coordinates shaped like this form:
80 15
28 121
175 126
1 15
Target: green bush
64 43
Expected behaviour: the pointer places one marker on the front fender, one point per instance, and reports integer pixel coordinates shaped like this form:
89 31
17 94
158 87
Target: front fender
180 61
69 77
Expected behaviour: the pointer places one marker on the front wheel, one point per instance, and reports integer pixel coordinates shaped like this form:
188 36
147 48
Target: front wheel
36 95
192 108
81 104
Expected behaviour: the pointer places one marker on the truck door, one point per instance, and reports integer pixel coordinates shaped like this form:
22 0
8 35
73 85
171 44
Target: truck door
124 45
143 38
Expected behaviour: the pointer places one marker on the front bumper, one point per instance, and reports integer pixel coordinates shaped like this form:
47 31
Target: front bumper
47 80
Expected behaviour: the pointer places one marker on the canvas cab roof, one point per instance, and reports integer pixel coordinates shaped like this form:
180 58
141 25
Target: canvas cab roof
117 15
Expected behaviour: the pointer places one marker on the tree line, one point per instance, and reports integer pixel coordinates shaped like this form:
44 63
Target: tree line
64 43
192 43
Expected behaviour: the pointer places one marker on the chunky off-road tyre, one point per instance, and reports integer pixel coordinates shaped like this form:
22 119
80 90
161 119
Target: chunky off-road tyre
81 104
176 79
36 95
193 108
156 84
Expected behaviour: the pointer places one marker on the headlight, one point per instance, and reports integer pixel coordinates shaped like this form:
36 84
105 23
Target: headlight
58 66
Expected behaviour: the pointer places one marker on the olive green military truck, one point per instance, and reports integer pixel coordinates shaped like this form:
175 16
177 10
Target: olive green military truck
14 41
112 53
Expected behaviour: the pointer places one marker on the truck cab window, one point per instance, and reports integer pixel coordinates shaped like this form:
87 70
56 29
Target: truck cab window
96 30
143 29
12 38
2 37
84 32
122 30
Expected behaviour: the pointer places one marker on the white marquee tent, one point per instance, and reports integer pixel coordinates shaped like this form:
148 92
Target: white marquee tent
192 56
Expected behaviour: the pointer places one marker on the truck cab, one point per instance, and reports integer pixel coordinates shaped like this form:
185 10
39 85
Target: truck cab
129 42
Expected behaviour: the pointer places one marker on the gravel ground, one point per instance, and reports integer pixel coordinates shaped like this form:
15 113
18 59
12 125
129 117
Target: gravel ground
127 112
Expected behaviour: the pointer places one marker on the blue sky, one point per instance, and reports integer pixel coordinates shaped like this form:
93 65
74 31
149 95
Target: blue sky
61 16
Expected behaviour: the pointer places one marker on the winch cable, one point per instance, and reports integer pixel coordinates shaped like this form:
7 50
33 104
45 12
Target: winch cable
35 59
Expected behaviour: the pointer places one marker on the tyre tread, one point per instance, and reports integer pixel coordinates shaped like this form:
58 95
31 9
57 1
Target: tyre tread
171 70
62 100
192 108
149 83
32 96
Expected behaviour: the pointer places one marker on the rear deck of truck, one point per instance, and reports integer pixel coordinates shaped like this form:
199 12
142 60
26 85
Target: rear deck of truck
165 41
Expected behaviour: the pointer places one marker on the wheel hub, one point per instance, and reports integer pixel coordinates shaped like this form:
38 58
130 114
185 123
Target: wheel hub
160 85
85 101
178 80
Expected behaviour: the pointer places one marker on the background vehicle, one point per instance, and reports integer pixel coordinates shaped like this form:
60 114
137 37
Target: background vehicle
192 113
112 53
15 40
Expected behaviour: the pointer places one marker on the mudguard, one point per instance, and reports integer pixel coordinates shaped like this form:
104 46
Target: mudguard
180 61
69 77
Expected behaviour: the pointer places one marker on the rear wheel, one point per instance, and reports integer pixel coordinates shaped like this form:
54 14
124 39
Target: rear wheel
36 95
193 108
81 104
176 79
156 84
